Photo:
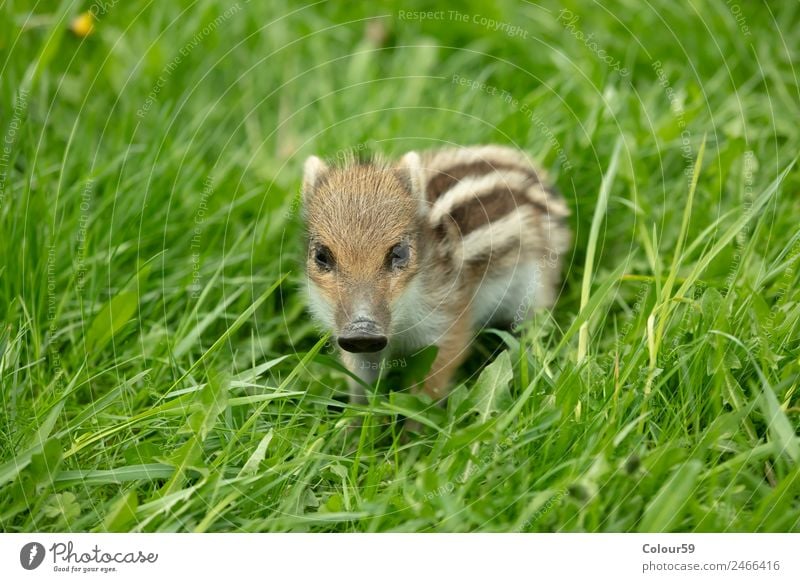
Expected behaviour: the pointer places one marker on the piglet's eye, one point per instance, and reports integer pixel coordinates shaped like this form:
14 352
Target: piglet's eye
399 256
323 257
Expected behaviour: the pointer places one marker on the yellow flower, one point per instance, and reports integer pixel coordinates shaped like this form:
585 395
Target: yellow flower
82 25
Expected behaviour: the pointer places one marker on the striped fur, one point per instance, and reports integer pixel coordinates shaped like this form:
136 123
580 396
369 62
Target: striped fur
486 231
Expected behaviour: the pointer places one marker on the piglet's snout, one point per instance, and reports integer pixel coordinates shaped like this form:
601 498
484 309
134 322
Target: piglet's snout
362 336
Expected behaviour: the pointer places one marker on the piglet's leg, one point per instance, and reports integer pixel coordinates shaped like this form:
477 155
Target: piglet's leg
453 349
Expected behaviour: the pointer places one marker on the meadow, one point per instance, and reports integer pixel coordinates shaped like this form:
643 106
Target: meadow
159 370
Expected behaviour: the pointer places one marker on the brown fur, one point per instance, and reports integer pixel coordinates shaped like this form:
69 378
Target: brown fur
443 180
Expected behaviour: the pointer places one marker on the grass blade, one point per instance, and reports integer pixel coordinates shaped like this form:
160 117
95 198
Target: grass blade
591 249
665 510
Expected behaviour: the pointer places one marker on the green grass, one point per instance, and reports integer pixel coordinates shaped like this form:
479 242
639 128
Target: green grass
159 371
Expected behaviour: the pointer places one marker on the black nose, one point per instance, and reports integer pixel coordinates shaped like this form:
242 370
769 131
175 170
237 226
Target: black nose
362 336
362 343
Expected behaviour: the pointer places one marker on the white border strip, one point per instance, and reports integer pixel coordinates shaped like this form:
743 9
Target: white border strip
401 557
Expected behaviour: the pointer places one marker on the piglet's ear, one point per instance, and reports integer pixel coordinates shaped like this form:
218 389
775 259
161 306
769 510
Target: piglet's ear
410 168
313 171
